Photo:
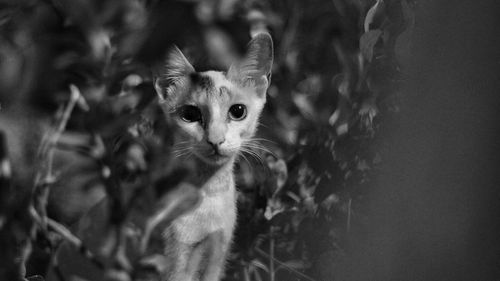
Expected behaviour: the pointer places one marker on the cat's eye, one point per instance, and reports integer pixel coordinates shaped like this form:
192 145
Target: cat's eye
190 113
238 112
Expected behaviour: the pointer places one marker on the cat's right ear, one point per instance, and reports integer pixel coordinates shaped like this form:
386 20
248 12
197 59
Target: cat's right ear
173 75
255 68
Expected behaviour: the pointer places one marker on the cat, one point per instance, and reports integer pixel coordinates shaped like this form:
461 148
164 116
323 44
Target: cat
216 115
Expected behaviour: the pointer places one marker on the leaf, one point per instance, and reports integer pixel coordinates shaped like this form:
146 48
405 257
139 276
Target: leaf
113 274
259 264
368 111
367 43
136 158
309 206
293 196
35 278
374 16
291 264
330 201
155 263
305 106
274 207
279 175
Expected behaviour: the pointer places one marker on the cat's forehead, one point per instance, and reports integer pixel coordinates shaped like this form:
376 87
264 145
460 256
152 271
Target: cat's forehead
209 86
217 78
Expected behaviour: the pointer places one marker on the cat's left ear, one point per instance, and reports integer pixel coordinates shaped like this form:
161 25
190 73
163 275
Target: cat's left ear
255 68
173 76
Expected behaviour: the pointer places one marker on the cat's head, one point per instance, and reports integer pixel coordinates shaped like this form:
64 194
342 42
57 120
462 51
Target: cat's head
216 112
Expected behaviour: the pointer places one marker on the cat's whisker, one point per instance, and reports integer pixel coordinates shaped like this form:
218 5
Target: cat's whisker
258 146
253 154
267 150
189 155
183 142
180 154
177 151
262 125
259 140
180 144
251 149
184 146
181 148
244 158
262 139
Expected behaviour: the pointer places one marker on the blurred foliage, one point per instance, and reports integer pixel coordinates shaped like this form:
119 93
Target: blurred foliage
81 123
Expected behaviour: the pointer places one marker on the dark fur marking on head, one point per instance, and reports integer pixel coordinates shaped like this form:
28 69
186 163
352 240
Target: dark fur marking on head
223 90
202 81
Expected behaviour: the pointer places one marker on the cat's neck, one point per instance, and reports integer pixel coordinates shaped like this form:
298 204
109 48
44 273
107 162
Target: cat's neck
215 179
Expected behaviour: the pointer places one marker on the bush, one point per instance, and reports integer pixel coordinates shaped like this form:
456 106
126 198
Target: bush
80 122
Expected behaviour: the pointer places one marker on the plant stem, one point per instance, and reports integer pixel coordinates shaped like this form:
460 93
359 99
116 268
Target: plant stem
349 210
271 254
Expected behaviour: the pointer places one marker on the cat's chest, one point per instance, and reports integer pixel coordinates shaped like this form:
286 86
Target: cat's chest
216 212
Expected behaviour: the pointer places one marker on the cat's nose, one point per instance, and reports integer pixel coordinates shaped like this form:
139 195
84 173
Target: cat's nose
215 144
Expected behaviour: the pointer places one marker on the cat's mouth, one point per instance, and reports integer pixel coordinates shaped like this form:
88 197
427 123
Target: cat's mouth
218 157
214 157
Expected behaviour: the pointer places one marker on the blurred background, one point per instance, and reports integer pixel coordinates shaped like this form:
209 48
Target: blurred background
379 159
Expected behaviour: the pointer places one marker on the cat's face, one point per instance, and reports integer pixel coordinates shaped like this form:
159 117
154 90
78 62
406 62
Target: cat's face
216 112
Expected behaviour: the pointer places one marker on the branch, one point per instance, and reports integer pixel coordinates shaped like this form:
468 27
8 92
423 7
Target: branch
45 177
283 264
68 236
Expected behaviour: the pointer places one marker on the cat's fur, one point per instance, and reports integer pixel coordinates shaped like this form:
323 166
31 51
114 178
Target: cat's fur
197 243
